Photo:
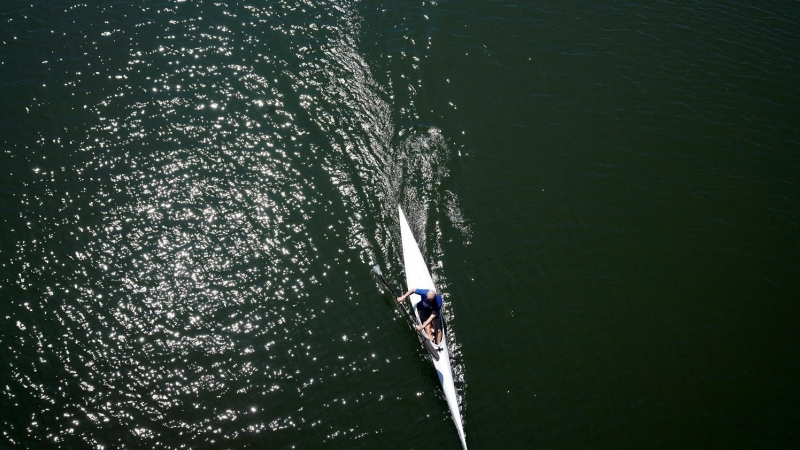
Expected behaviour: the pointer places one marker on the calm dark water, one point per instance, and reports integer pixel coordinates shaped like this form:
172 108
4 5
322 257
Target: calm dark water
194 192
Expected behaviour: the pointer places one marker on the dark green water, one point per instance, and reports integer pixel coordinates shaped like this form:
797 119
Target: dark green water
193 194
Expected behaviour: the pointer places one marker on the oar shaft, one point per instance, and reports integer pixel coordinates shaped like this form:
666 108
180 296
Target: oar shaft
387 285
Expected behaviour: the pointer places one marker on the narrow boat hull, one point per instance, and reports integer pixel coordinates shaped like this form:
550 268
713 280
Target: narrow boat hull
418 277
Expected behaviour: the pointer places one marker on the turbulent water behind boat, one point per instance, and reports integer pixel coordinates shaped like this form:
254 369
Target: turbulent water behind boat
194 193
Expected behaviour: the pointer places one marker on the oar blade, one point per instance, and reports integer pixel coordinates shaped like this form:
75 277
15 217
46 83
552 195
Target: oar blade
432 350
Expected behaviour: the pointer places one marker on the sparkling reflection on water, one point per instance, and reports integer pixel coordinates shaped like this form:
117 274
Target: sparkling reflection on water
185 260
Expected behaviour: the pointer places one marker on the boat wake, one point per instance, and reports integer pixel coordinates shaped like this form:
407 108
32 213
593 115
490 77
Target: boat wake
236 163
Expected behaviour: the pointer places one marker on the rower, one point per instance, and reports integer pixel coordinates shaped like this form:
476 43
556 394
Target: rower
429 309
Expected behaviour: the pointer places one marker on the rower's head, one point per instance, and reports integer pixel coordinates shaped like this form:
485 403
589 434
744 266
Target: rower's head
431 295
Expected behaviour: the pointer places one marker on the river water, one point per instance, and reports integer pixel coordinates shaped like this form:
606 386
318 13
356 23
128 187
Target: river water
193 194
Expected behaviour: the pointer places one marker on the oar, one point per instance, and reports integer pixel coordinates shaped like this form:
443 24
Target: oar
427 342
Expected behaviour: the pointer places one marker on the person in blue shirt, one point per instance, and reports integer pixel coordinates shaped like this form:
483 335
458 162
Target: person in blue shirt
429 309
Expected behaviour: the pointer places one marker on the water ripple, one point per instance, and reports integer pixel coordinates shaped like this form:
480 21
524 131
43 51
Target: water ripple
191 256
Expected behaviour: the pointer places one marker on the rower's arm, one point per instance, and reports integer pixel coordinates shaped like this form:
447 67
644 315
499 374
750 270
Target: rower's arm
433 315
402 298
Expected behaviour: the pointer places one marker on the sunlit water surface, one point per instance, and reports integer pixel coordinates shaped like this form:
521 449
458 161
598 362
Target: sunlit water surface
193 193
189 249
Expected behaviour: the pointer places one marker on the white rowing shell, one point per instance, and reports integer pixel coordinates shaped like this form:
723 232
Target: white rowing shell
418 277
